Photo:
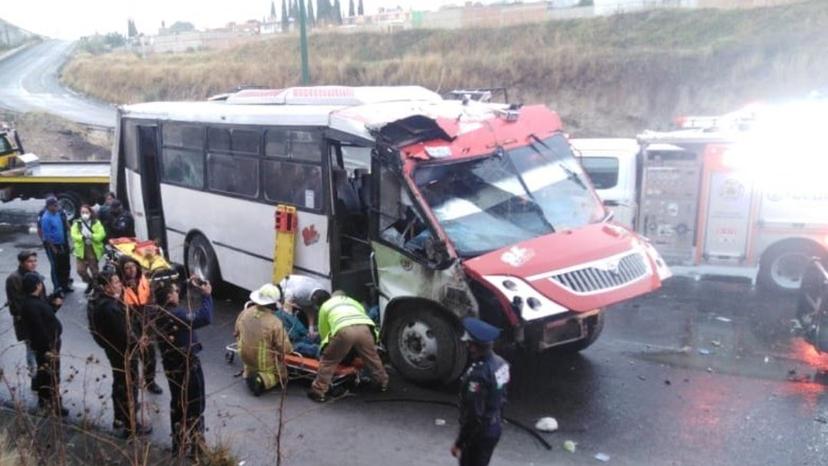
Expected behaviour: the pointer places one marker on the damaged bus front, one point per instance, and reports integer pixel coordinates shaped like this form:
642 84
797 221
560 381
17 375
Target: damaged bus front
489 214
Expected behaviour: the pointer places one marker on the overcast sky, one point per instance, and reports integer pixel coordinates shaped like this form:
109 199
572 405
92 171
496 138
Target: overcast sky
73 18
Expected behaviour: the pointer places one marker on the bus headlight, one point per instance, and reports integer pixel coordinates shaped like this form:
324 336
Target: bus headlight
533 305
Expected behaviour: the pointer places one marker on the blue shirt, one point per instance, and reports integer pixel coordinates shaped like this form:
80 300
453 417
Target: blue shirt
54 231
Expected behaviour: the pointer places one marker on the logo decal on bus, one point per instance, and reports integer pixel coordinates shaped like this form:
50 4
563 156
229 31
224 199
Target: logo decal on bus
517 256
310 235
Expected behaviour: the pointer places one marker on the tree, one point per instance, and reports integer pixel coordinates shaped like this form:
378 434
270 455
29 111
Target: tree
350 8
285 22
360 9
294 10
272 9
337 13
181 26
309 11
132 31
323 11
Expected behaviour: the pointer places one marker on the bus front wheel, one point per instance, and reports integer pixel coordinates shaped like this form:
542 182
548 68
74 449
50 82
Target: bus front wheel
202 261
425 346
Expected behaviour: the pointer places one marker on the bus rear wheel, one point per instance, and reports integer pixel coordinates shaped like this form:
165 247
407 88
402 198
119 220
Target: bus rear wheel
425 346
202 261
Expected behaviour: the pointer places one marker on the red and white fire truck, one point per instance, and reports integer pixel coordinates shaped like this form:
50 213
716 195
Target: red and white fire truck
742 194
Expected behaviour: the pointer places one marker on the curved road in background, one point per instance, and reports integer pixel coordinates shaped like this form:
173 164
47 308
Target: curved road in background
29 83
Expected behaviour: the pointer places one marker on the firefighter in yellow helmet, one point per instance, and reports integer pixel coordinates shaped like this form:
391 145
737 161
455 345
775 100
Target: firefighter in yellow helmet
262 340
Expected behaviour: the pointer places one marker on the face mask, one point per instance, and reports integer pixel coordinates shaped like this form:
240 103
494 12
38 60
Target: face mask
86 217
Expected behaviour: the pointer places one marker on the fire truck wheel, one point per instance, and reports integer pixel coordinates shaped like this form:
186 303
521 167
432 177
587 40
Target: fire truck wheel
595 325
782 265
70 204
201 260
423 346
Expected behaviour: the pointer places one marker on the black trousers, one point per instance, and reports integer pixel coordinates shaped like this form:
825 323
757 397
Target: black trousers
47 380
187 400
124 385
478 451
61 265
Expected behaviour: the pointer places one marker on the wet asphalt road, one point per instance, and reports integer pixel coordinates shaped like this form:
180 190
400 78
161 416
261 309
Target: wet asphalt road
29 83
699 373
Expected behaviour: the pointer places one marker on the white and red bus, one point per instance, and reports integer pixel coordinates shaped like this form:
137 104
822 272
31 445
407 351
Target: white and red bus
433 209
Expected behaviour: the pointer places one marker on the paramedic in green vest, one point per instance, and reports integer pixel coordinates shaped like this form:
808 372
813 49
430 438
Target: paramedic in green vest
88 236
344 325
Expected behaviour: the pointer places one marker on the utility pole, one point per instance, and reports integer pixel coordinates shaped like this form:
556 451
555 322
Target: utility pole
303 43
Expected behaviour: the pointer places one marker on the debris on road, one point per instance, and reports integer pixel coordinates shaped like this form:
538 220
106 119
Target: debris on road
716 343
642 378
821 420
603 457
710 370
570 446
439 422
767 359
547 424
723 319
704 351
667 382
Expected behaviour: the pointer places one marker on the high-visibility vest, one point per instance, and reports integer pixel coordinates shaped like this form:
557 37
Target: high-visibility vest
340 312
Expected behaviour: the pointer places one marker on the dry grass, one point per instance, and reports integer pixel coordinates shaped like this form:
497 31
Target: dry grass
606 76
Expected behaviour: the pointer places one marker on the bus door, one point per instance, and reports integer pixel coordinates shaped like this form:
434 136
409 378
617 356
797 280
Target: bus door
350 191
150 183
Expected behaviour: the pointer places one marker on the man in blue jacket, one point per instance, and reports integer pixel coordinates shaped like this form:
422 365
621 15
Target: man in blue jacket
54 231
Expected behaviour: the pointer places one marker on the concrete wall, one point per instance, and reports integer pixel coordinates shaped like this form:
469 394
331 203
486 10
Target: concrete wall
11 36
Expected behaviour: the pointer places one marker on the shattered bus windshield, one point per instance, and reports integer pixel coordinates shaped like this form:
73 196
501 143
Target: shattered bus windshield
490 203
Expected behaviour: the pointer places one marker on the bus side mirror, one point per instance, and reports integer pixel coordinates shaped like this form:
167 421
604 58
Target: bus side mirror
437 253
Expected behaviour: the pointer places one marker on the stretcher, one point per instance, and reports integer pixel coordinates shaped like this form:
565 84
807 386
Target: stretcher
303 367
148 255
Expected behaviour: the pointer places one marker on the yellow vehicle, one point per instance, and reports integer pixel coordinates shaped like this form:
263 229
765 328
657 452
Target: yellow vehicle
25 176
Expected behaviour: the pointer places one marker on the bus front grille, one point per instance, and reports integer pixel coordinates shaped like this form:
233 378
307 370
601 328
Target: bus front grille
594 279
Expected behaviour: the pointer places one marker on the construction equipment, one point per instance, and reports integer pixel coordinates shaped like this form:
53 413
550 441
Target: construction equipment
26 176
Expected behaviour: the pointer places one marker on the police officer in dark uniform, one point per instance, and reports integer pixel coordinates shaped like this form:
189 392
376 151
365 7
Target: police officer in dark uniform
482 396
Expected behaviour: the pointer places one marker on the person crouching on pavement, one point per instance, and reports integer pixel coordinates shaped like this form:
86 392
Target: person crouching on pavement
262 341
482 396
176 325
88 237
137 296
306 295
117 330
344 325
44 330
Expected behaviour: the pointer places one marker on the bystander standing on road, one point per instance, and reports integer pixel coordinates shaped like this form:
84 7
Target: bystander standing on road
121 224
88 236
54 231
104 214
344 325
176 323
15 296
482 396
118 332
137 296
44 331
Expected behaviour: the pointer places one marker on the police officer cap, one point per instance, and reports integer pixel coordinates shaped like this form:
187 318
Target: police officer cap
480 331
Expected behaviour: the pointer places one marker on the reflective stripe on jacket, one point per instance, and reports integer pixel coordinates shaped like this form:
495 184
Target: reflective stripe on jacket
340 312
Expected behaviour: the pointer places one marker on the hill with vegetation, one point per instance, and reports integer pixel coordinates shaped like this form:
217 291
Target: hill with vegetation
607 76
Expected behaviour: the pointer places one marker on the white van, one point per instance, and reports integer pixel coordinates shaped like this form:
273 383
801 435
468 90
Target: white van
612 164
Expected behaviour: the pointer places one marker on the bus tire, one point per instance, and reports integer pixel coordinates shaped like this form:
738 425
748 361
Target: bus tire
782 265
70 203
595 325
201 260
423 346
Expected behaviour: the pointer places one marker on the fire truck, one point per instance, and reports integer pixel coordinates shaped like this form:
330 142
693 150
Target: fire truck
736 195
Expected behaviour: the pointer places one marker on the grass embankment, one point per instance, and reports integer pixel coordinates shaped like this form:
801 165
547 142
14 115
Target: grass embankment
606 76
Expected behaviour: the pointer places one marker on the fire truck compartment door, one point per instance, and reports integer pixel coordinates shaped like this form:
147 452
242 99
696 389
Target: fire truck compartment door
727 223
669 201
